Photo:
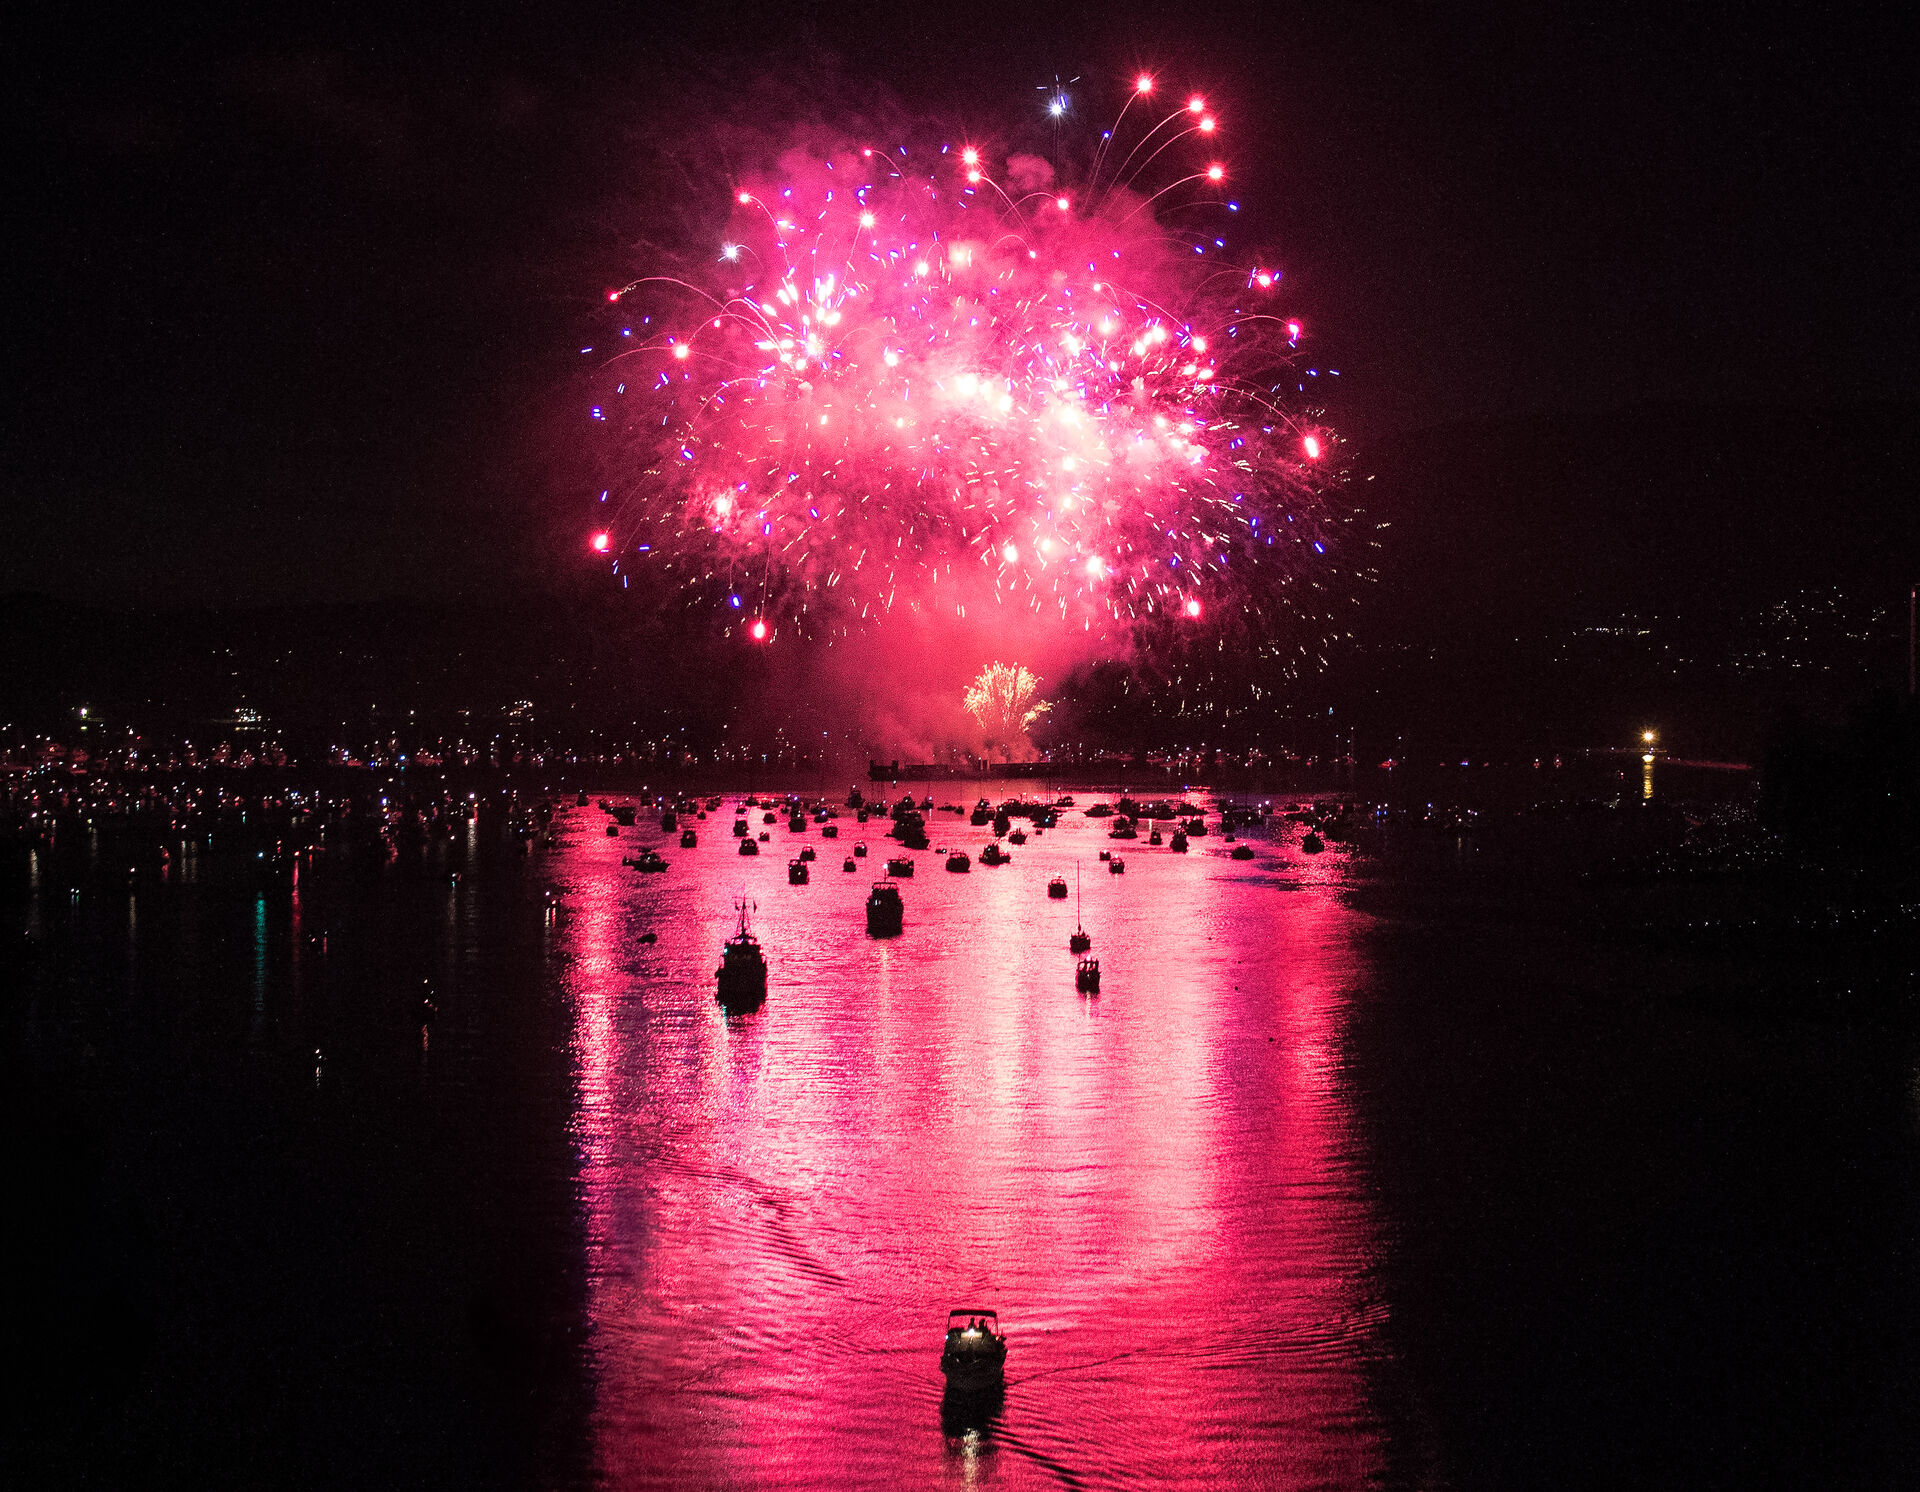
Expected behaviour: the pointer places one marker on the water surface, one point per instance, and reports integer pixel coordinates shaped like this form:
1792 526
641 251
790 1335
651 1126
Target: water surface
1342 1179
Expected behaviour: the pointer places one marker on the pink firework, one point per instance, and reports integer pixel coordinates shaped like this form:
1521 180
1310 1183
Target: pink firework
945 378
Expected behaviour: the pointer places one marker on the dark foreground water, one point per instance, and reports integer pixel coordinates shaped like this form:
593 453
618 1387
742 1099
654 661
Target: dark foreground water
1346 1178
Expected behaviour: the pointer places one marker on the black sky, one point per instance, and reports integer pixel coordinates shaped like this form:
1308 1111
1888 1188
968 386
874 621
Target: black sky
292 298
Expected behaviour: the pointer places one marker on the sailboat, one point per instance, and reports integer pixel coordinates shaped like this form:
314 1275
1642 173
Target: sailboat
1081 940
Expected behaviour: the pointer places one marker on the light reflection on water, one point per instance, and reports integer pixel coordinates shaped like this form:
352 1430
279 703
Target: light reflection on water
582 1229
1160 1188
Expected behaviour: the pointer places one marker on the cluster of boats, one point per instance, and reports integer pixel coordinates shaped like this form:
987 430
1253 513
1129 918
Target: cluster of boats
742 975
974 1348
1323 823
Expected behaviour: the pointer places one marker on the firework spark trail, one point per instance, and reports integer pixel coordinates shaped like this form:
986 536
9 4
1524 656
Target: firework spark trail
907 379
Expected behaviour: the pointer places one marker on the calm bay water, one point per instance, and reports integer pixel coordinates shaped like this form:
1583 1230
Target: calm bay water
1342 1180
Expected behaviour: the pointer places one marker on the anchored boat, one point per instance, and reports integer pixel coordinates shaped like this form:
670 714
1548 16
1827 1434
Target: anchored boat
885 911
743 967
1081 940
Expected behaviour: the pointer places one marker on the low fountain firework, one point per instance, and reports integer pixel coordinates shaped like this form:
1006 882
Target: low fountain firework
1005 702
937 376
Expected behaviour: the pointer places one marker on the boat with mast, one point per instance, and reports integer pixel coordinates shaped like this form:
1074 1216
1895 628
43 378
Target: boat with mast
743 967
1081 940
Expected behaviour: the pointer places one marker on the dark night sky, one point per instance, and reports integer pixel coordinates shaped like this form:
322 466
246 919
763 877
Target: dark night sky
291 300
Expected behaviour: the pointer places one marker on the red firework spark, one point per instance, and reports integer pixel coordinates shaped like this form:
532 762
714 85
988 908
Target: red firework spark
920 381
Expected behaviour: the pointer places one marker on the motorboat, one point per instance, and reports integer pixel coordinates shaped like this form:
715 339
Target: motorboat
1179 845
1057 888
1155 838
959 863
742 974
739 828
765 837
900 865
613 831
689 838
769 818
1116 866
808 853
796 872
749 847
994 855
797 822
829 831
647 860
860 849
1017 836
669 821
1243 852
1106 854
850 865
1086 978
885 910
1313 844
975 1353
1081 940
1100 811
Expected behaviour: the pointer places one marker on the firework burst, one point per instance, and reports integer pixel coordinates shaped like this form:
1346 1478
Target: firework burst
1005 702
939 376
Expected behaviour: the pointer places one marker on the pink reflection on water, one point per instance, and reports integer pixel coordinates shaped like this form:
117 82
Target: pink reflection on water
1160 1189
